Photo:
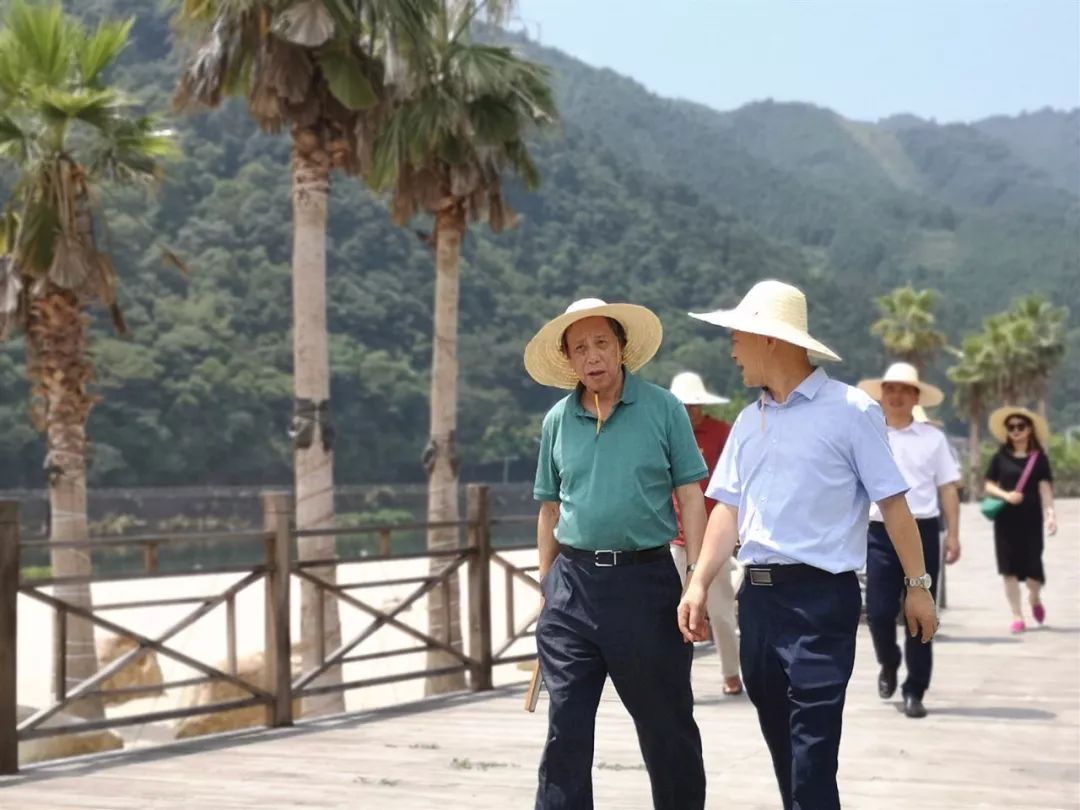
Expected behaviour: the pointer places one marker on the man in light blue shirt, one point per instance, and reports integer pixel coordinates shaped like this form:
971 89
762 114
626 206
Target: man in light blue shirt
794 484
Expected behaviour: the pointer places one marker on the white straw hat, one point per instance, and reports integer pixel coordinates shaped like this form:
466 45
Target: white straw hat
905 374
1000 417
544 358
773 309
689 388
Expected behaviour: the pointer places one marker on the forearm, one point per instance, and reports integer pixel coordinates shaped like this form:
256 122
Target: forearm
692 514
950 509
546 544
904 534
990 488
718 544
1046 496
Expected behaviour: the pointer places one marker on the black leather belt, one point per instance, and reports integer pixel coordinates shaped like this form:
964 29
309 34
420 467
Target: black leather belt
779 574
609 558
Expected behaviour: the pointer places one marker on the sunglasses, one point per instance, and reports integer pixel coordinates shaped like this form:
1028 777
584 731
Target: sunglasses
1016 427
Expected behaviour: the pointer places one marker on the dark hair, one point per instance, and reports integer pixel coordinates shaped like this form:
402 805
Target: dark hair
616 328
1033 440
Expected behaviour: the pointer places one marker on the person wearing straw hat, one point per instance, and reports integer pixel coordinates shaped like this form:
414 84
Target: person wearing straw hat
710 434
1019 473
923 455
794 485
612 454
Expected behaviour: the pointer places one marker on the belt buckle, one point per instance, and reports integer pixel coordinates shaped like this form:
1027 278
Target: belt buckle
759 576
614 558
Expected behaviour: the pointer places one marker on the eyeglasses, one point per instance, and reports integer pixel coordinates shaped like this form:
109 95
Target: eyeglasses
1016 427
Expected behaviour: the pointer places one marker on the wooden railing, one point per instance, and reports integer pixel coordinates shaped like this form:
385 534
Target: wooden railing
274 570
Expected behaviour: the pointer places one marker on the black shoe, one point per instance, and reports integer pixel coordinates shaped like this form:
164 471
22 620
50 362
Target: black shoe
913 707
886 682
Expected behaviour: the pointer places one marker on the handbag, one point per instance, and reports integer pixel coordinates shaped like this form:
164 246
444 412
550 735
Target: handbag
991 507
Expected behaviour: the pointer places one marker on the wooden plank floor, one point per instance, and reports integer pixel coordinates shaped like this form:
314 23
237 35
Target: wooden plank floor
1004 731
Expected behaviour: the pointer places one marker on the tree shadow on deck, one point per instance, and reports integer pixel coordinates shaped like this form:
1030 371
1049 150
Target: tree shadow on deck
77 766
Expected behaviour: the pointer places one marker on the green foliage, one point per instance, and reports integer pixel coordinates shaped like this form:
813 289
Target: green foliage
658 202
906 325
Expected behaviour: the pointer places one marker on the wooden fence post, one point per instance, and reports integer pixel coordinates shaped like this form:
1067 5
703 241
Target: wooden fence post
277 514
479 518
9 596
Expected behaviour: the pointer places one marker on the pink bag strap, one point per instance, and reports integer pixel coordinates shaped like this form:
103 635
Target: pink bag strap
1026 474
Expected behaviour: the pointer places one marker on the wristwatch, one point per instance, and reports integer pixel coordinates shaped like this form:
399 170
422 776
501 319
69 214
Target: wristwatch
923 582
691 568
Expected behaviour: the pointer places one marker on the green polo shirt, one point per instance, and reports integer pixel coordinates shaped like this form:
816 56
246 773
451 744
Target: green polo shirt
614 487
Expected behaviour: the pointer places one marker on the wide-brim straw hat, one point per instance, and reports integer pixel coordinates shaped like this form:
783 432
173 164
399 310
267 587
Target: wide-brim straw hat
930 396
690 389
544 358
773 309
999 417
919 414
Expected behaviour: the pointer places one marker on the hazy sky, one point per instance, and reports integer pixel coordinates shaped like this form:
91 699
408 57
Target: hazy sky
953 60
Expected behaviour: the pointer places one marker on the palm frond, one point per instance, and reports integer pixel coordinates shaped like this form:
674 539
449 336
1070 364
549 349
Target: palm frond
101 48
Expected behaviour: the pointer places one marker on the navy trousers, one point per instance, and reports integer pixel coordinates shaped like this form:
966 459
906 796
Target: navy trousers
618 622
884 587
797 652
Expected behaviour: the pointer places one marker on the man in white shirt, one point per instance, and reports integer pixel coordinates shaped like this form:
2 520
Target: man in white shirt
930 469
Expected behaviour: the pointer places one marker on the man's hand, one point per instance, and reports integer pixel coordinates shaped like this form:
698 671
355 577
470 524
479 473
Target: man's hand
921 613
693 623
952 548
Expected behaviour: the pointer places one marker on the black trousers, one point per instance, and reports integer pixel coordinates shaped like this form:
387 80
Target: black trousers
619 622
884 587
797 652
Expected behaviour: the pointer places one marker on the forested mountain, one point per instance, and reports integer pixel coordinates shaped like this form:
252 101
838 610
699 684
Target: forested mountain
659 202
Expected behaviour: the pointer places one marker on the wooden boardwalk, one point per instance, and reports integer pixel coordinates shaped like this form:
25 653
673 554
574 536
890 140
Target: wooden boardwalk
1004 731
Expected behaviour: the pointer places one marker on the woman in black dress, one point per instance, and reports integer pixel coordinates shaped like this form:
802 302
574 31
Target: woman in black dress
1018 528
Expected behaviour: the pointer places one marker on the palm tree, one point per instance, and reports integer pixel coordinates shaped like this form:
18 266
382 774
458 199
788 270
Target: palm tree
906 325
315 67
443 153
975 375
65 132
1044 328
1010 350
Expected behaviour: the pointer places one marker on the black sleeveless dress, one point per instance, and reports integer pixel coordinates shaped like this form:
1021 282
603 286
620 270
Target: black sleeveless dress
1018 530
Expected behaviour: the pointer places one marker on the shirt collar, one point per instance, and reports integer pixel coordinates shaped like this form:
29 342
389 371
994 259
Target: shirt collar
807 389
630 387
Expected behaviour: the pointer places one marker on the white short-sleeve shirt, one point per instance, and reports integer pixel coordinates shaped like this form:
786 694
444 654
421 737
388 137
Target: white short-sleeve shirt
922 453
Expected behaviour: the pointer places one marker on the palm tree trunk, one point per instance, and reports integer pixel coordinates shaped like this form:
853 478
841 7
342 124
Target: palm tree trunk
311 382
61 373
974 456
441 456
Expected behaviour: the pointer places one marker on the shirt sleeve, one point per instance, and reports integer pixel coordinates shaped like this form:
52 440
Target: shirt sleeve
1042 468
946 470
872 458
687 464
725 486
548 482
993 469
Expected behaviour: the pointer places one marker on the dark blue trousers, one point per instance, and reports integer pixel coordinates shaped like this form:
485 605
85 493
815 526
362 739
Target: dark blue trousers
797 651
618 622
884 587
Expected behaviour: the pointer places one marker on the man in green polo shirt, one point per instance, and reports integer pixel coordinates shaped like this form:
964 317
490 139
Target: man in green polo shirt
611 454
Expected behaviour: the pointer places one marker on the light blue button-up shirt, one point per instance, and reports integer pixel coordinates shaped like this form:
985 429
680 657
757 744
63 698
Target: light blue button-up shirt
803 474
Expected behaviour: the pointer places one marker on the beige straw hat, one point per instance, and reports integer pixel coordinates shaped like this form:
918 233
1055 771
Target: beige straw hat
905 374
773 309
544 358
999 418
689 388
